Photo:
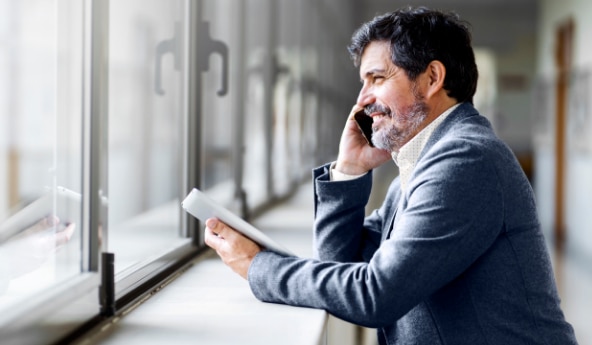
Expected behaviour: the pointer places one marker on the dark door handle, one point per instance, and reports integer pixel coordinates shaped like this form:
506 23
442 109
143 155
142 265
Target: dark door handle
172 45
207 46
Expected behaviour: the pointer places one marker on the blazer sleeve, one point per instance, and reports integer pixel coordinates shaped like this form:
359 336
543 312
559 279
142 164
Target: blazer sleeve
452 214
340 231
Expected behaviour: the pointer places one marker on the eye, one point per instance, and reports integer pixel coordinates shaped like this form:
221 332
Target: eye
377 78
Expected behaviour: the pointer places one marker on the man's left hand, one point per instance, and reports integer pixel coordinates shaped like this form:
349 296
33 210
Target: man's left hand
235 250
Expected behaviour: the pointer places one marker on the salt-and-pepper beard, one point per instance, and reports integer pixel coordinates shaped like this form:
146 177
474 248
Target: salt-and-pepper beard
394 137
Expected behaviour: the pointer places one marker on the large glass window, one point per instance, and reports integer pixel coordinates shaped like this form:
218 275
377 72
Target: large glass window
258 63
219 93
41 58
147 124
111 111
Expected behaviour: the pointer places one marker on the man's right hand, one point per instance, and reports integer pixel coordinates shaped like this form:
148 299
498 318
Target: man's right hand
356 157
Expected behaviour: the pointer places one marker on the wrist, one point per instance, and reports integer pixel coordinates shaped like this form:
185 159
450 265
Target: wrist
349 169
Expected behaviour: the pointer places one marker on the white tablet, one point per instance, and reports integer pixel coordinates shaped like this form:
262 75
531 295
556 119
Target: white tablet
203 207
61 202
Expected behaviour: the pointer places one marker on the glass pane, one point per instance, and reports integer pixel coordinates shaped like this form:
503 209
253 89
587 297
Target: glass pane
257 183
290 167
219 25
40 146
146 128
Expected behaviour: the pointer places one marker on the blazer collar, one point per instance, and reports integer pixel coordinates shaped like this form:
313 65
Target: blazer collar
463 111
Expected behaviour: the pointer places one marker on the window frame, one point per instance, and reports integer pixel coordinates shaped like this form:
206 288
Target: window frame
69 300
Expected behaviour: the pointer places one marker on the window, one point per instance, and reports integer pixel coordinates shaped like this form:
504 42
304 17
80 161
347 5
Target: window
148 45
95 103
41 143
111 111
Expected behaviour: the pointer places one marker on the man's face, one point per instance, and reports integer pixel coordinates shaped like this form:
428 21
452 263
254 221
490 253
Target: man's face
393 101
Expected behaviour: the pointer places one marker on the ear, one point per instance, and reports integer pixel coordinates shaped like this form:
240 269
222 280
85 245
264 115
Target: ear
435 72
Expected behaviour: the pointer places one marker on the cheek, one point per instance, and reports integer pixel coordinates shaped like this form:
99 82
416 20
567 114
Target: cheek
394 101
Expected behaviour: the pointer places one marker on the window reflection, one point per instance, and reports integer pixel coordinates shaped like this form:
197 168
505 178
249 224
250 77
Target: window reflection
40 146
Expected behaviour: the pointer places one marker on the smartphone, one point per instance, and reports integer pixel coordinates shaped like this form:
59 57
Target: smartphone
365 124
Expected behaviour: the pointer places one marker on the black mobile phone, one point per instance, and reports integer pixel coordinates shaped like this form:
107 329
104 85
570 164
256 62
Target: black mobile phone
365 124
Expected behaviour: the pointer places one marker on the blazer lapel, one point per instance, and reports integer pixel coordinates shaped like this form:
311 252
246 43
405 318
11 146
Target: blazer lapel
386 231
463 111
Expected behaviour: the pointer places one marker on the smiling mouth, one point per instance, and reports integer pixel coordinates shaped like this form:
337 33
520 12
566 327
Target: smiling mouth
377 119
376 110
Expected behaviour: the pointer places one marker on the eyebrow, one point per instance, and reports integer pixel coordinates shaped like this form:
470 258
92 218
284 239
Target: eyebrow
373 72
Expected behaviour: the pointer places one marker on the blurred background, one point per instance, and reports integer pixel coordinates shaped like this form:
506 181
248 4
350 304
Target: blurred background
110 111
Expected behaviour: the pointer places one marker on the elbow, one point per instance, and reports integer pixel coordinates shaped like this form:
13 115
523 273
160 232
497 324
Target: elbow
377 305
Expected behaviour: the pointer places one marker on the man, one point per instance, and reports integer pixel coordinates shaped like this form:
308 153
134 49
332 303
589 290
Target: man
455 254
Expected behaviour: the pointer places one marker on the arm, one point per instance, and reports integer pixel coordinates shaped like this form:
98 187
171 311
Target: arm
452 216
339 216
341 233
355 157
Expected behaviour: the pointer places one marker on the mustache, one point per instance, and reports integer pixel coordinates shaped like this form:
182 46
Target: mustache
377 108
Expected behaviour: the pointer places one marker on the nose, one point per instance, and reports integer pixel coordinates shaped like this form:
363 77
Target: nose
365 97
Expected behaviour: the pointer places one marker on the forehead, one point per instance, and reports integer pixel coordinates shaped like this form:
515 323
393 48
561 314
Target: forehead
376 55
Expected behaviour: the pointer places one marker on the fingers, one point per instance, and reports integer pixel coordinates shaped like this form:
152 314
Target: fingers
353 112
235 250
44 224
218 233
212 240
213 224
215 227
213 233
221 230
65 235
223 238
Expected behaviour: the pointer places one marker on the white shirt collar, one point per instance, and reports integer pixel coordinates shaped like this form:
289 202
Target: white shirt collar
409 153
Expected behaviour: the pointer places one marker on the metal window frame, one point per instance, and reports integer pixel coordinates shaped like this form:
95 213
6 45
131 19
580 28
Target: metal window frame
30 313
136 282
133 283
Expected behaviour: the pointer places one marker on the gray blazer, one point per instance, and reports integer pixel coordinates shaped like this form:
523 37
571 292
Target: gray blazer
458 258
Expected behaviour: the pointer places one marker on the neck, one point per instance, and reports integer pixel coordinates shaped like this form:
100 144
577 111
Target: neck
436 109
